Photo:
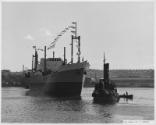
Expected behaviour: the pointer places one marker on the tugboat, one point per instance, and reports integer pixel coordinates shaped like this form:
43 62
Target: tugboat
126 96
105 91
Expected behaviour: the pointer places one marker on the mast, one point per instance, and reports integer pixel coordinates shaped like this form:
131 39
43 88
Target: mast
45 59
75 29
79 51
72 49
32 63
53 54
64 55
78 46
104 60
36 60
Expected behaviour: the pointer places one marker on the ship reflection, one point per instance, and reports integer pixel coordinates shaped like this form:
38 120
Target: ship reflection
66 98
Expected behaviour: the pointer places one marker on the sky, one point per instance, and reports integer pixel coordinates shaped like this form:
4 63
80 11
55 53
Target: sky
123 30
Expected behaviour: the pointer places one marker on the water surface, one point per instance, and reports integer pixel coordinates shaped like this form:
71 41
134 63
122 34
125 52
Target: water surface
19 107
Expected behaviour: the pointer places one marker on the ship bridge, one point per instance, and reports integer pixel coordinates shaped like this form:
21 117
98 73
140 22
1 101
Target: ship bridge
52 64
54 59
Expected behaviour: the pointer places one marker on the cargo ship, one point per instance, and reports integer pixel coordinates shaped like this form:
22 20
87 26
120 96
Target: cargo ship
56 77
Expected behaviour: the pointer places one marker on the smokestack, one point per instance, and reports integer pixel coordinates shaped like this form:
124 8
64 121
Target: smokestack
106 73
53 54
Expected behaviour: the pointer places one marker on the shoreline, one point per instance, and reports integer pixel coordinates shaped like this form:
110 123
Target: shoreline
122 87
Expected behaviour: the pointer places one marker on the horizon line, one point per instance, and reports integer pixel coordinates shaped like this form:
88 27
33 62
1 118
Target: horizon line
88 69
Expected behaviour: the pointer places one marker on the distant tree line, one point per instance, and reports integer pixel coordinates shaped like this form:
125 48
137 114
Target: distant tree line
11 78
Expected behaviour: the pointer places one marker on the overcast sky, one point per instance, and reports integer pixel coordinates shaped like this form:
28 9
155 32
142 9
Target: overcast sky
123 30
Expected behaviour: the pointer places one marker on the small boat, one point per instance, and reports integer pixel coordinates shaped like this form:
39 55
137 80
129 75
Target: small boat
126 96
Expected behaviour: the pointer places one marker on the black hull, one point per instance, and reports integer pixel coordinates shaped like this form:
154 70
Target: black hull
61 84
105 96
106 100
65 89
65 83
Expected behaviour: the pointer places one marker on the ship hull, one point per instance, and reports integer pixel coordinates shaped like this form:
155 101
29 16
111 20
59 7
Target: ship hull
105 96
67 81
106 99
